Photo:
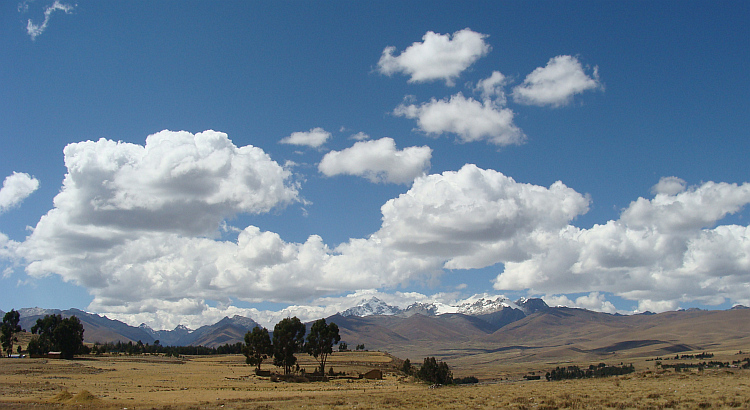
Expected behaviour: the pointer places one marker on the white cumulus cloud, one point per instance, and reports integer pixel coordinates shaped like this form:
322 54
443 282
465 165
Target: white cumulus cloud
135 226
34 30
131 220
660 252
437 57
378 161
593 301
468 118
669 186
473 218
16 188
313 138
493 87
556 83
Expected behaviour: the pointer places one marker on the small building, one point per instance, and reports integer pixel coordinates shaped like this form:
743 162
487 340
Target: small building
54 355
373 374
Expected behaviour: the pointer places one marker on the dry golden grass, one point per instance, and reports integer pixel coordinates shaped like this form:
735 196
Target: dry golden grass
227 382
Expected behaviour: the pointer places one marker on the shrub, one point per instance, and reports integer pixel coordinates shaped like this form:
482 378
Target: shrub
466 380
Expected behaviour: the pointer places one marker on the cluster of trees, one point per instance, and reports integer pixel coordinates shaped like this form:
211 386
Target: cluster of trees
600 370
53 333
344 347
288 339
435 372
700 366
139 347
8 331
744 363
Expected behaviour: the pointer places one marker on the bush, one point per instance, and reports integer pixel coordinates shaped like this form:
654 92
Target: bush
466 380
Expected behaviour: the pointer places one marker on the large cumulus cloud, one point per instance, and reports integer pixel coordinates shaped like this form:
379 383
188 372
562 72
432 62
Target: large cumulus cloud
661 251
136 225
131 218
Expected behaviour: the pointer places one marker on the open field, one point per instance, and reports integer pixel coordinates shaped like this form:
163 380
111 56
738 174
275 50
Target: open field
226 382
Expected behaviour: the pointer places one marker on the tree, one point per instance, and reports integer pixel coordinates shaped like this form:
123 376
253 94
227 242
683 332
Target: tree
434 372
8 330
44 327
320 341
69 337
406 367
343 347
56 333
257 346
288 339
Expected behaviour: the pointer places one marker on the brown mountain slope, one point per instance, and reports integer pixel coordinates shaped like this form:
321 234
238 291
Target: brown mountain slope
356 330
221 336
555 336
600 333
448 327
556 326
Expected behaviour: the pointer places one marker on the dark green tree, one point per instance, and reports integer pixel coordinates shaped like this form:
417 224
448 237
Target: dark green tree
44 328
406 367
69 337
257 346
57 334
288 339
320 341
8 330
434 372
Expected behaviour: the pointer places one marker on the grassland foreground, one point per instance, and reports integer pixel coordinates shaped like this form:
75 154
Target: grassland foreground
155 382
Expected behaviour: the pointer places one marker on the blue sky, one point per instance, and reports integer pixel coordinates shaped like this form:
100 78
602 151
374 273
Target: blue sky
406 150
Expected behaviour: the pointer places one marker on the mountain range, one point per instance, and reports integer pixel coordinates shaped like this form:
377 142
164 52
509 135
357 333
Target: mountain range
102 329
495 312
474 334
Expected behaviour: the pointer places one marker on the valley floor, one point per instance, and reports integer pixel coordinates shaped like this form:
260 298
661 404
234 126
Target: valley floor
226 382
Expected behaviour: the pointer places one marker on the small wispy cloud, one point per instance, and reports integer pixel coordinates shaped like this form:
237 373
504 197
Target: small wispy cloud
35 30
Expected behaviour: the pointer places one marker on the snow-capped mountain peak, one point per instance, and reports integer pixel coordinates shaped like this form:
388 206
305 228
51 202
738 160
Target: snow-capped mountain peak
480 304
483 306
473 306
370 307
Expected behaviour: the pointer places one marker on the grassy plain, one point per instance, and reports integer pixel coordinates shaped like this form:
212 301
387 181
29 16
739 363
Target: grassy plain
210 382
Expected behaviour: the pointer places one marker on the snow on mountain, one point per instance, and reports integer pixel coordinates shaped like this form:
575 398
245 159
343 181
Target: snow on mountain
373 306
483 305
532 305
37 311
480 304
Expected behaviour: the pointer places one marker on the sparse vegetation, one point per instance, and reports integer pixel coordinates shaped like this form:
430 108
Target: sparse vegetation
115 382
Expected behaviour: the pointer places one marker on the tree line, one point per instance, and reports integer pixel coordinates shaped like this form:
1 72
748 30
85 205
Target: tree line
600 370
289 339
139 347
